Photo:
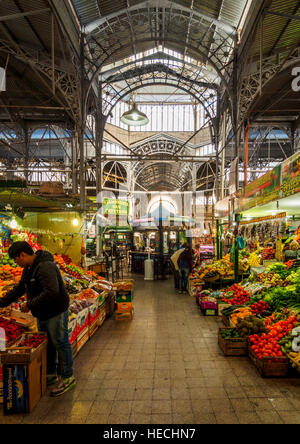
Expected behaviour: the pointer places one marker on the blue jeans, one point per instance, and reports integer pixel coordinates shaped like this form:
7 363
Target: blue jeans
58 345
183 278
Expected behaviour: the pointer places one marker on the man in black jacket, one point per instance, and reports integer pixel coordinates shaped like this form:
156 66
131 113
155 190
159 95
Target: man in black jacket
48 301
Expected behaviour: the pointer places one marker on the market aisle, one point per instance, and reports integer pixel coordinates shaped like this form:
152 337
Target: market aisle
166 367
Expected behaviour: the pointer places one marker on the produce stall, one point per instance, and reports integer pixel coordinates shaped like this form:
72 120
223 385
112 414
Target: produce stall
264 311
92 301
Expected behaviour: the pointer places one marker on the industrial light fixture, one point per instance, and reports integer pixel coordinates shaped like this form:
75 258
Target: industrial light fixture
134 117
75 222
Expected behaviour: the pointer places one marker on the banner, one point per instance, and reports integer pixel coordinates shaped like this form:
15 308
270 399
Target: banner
115 207
263 190
290 176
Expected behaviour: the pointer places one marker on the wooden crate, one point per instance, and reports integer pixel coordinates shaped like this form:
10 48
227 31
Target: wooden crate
82 339
270 367
93 328
233 346
22 355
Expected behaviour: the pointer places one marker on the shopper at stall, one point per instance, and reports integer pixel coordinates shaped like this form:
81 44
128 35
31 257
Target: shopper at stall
185 264
175 267
48 301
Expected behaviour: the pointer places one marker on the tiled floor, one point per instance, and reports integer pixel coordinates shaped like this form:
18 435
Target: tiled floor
165 367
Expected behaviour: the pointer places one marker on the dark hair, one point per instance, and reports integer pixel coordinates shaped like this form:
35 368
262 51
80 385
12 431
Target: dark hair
20 247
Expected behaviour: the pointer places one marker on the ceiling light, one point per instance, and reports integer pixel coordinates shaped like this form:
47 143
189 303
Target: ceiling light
134 117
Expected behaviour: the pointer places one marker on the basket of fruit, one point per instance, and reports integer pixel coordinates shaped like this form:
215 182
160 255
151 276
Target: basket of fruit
212 276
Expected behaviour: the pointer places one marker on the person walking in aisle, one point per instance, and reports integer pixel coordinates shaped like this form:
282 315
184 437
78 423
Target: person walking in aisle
48 301
185 264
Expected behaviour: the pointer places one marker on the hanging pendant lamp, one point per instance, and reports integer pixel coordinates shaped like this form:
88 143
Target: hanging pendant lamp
134 117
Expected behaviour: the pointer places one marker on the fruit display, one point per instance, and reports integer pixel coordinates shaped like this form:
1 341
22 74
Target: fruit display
259 307
239 314
268 253
12 330
254 260
78 305
250 325
122 286
89 293
236 295
289 344
6 260
230 333
267 345
31 341
270 279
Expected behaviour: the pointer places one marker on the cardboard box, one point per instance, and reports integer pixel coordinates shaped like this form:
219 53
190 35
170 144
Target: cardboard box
124 306
93 328
82 321
82 339
93 313
123 315
24 385
72 329
102 315
123 296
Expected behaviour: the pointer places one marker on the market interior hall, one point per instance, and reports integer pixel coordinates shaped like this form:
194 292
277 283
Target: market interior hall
149 212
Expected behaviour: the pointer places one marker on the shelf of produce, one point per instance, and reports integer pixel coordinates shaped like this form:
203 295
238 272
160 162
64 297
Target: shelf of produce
17 354
270 367
232 346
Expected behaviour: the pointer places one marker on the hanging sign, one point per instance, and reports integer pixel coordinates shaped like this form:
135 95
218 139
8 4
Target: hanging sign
290 176
115 206
263 190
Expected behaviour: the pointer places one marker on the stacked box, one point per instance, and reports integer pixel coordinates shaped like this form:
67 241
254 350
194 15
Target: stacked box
124 315
102 298
93 328
102 314
93 313
82 321
124 296
82 338
125 308
72 329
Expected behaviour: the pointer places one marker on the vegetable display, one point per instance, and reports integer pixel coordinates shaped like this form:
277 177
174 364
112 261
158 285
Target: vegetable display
267 345
236 295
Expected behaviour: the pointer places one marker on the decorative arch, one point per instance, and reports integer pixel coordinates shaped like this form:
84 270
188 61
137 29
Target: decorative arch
96 72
